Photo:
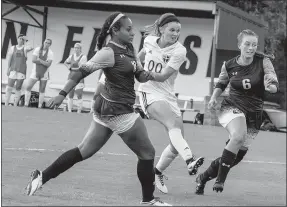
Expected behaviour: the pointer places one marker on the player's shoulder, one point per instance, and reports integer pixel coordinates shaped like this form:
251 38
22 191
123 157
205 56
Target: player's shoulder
36 50
151 39
231 63
261 55
179 49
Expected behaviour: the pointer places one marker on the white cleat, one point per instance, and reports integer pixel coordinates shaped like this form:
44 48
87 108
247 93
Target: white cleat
35 182
194 165
156 202
160 184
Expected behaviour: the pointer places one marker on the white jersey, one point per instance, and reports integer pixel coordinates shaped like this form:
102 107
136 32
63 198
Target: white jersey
157 60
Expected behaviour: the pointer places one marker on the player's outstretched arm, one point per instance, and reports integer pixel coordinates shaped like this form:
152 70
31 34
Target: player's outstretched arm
270 78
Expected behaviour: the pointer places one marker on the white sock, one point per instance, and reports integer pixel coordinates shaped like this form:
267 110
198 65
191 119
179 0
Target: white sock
17 97
180 144
8 95
70 104
27 97
166 158
41 99
80 105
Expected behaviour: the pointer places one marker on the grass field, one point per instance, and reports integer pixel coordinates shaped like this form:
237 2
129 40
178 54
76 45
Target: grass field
34 138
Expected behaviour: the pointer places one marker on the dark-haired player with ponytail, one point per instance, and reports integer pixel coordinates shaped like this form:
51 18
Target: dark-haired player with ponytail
248 75
113 108
164 54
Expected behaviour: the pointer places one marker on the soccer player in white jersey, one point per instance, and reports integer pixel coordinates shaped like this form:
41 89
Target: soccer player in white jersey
73 63
42 59
163 54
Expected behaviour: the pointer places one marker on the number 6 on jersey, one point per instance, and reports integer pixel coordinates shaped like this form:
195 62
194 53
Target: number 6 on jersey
246 84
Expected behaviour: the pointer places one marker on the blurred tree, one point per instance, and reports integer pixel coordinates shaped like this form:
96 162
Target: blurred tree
273 13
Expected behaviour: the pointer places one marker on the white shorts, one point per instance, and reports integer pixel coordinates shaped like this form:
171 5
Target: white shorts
147 99
117 124
45 77
16 75
227 114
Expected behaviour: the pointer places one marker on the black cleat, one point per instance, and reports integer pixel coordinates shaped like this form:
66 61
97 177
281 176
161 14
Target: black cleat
218 186
199 186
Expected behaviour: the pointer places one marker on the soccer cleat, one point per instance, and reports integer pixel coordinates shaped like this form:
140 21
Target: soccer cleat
218 186
155 202
160 184
194 165
35 182
199 186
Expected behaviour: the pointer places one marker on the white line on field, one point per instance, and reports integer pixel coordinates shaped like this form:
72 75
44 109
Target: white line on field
122 154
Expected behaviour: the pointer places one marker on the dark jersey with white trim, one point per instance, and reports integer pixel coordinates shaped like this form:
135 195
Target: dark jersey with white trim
246 83
119 85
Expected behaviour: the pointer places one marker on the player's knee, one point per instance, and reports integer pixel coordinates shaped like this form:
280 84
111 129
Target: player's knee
238 138
18 88
80 96
147 154
42 90
86 151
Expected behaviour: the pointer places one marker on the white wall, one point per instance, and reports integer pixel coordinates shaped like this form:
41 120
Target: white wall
59 18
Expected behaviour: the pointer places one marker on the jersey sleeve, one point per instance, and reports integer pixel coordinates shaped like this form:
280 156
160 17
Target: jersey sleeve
83 60
36 51
50 55
177 59
223 79
104 58
270 76
68 60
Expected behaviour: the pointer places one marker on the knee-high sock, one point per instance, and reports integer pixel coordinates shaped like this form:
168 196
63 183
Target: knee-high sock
145 171
27 97
225 163
70 104
80 105
166 158
8 95
41 99
63 163
180 144
212 171
17 97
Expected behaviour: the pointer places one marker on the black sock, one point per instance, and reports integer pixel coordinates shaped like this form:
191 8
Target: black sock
226 162
211 172
239 156
145 171
63 163
157 171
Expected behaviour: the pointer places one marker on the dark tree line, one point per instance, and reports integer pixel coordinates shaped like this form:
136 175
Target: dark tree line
273 13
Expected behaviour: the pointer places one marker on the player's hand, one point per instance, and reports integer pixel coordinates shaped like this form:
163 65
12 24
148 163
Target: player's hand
56 101
271 88
269 83
213 104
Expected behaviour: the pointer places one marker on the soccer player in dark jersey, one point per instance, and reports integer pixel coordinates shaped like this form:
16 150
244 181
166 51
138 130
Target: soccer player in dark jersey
113 108
248 75
73 63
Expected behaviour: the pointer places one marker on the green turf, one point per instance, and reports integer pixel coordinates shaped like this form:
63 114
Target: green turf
34 138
